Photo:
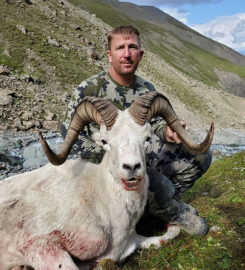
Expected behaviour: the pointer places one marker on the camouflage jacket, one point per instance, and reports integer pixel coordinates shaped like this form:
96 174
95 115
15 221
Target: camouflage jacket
102 85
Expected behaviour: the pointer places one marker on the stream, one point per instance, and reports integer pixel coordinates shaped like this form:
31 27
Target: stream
20 153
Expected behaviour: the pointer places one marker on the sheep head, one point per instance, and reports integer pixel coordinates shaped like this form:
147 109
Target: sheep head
124 135
126 144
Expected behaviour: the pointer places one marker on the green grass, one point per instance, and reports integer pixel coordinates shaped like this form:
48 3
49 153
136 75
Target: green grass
71 67
223 206
104 12
194 61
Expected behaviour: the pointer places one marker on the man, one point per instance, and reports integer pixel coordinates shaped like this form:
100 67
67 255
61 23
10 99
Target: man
171 168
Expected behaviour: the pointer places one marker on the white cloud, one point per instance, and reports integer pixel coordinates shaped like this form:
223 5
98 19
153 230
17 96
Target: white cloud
229 30
179 15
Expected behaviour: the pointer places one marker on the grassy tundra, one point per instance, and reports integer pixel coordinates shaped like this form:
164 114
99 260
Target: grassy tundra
219 197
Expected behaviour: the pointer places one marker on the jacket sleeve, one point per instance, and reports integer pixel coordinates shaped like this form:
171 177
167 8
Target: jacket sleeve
158 126
85 147
157 123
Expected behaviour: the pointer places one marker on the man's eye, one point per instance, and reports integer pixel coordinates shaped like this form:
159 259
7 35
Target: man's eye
133 47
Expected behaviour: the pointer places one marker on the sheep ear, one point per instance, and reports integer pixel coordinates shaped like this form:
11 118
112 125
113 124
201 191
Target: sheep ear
101 141
105 145
97 138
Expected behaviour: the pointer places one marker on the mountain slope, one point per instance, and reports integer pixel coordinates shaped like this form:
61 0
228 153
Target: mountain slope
156 16
182 47
49 47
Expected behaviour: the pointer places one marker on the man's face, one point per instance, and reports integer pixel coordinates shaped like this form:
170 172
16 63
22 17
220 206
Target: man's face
124 54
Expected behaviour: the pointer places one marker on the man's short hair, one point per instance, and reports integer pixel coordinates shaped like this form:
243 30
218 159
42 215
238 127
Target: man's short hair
125 30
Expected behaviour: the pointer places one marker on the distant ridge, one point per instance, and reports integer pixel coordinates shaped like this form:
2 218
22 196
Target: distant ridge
156 16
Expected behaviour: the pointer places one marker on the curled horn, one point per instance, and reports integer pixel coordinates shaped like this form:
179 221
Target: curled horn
154 104
91 109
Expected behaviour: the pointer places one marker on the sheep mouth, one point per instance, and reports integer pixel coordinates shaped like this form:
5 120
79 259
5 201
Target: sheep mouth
131 184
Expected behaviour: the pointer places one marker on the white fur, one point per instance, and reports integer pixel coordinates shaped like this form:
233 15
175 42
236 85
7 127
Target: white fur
80 200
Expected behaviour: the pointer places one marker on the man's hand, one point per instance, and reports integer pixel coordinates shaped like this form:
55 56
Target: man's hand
171 136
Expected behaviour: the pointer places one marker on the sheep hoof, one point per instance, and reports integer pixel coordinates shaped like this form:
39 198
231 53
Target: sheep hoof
106 264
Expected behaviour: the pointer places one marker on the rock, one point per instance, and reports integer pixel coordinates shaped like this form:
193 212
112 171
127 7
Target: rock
4 70
6 52
64 12
3 127
27 116
6 97
65 98
21 28
28 124
55 13
53 42
6 100
66 47
28 2
50 116
94 55
215 229
37 109
3 166
25 125
51 125
27 78
38 124
20 4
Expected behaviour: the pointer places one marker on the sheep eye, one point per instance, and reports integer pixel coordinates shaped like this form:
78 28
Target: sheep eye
104 142
148 139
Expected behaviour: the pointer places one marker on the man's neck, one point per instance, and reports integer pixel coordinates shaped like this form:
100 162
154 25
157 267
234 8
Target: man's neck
126 80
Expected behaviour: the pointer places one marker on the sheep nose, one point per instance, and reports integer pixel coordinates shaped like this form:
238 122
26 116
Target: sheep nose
131 167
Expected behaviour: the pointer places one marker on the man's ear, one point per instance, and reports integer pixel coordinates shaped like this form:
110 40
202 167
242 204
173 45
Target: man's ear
141 54
109 55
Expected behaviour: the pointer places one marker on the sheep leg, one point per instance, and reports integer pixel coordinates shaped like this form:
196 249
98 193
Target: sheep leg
52 259
138 241
157 241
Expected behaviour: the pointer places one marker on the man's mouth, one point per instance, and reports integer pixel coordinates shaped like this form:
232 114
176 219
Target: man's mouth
131 184
127 63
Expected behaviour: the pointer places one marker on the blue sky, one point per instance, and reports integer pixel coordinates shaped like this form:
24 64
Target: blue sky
221 20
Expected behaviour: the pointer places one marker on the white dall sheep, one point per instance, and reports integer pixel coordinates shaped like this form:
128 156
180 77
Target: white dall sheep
83 210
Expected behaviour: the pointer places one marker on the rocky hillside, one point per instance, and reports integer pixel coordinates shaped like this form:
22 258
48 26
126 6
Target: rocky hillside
183 48
48 47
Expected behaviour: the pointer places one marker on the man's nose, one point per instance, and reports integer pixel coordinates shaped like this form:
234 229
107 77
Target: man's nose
127 53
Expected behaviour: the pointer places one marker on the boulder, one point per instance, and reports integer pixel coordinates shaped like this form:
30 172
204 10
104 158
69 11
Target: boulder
53 42
51 125
4 70
21 28
6 97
